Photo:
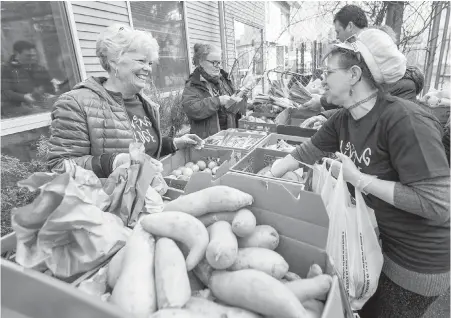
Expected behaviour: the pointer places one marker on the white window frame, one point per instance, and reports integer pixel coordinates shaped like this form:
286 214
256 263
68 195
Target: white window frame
24 123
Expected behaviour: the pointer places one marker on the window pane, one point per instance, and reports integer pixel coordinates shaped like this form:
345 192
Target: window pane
165 21
37 56
248 52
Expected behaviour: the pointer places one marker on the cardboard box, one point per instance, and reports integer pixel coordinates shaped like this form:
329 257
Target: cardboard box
301 222
260 158
181 157
273 139
289 120
247 124
31 294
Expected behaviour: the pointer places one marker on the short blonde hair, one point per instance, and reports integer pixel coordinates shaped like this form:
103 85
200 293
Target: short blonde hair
201 50
116 40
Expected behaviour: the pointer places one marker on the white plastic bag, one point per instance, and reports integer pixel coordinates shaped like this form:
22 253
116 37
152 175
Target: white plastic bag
352 242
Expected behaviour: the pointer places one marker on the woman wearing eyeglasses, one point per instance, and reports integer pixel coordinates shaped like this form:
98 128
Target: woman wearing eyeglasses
390 149
96 121
207 97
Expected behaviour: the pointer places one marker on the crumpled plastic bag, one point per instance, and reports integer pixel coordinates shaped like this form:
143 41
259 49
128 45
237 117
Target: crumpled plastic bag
65 228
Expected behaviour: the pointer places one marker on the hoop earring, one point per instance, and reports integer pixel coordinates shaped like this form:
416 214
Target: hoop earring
351 91
115 73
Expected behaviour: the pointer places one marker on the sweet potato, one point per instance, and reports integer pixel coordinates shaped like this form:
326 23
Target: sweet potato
311 288
210 200
171 277
176 313
215 310
290 276
264 236
244 223
315 270
181 227
210 218
223 247
256 291
134 291
115 267
314 308
261 259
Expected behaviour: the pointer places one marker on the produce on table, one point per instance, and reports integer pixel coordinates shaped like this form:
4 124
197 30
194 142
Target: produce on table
281 145
299 94
244 223
210 200
233 141
181 227
215 310
115 267
262 259
261 120
222 250
296 176
264 236
279 88
210 218
152 274
185 172
171 278
256 291
311 288
134 291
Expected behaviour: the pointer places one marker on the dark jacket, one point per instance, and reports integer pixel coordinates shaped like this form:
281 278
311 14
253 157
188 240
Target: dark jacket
19 80
201 107
89 126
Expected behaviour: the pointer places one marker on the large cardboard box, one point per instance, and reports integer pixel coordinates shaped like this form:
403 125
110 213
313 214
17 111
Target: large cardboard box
302 223
289 120
181 157
30 294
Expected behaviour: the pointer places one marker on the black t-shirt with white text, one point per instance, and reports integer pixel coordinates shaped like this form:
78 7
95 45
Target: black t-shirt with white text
396 141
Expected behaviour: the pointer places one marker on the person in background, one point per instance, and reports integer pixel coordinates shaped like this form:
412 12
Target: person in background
208 98
24 81
391 150
95 123
349 21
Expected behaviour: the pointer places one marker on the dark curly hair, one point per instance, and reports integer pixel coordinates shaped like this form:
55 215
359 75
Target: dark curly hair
351 13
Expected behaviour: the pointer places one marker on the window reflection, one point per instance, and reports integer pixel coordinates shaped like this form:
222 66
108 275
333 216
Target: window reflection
37 57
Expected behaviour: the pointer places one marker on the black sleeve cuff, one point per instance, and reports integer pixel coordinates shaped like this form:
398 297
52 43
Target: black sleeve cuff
167 146
97 167
106 162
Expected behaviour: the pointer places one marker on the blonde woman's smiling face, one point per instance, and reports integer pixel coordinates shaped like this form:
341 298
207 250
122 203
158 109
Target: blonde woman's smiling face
134 70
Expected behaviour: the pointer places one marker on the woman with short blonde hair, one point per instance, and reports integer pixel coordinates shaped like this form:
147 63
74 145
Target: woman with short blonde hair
95 122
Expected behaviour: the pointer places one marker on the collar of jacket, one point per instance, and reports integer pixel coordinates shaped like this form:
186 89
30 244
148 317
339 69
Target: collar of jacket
95 84
197 79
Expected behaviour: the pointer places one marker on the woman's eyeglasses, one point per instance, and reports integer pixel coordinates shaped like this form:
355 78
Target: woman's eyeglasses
215 63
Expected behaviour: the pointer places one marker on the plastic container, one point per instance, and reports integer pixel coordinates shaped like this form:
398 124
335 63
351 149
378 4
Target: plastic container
251 125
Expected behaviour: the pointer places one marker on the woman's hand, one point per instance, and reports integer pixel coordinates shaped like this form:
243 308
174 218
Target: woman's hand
188 140
310 122
351 173
314 103
120 159
224 99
